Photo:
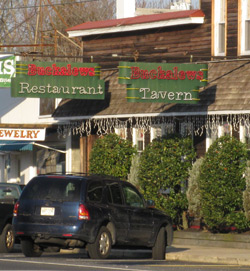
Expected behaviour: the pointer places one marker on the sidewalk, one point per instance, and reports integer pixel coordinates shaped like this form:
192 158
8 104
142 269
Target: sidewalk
216 255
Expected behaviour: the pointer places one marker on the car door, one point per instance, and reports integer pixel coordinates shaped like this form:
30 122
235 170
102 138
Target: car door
117 211
141 222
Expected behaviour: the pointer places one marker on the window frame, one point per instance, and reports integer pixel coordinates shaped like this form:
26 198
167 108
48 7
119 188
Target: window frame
244 19
244 131
220 131
219 40
122 132
135 139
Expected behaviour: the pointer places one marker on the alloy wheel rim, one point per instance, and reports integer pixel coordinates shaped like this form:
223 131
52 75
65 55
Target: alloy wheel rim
104 243
9 239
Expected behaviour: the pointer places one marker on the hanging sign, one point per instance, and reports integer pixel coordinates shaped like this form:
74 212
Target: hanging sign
7 70
58 80
163 82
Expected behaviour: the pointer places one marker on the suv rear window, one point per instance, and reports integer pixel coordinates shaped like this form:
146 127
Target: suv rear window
56 189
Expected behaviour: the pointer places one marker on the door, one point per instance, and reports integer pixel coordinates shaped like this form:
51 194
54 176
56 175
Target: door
118 212
141 228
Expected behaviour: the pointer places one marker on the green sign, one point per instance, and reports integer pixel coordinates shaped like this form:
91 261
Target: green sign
7 70
58 80
163 82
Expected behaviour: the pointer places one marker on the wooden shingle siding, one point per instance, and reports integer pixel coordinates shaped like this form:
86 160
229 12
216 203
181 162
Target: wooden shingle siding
155 45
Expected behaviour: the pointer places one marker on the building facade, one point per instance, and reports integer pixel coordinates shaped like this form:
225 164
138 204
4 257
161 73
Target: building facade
208 38
215 33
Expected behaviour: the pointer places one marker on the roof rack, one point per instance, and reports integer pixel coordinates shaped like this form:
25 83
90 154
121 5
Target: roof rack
66 173
82 174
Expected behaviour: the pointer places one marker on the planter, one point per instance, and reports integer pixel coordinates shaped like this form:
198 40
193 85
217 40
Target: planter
227 240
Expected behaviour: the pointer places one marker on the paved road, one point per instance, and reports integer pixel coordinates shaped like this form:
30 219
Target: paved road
119 261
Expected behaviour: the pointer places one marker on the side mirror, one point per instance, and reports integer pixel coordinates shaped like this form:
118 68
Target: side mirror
150 203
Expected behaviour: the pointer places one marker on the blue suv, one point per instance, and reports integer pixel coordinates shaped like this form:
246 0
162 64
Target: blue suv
92 212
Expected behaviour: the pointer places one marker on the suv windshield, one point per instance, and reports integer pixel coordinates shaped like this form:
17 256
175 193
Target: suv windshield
56 189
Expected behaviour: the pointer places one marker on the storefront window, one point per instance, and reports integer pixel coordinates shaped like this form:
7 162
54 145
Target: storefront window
226 129
122 132
215 132
245 135
49 161
139 139
161 130
156 131
212 135
247 138
168 129
187 129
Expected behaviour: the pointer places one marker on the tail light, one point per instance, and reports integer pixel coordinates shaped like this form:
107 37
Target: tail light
83 213
16 207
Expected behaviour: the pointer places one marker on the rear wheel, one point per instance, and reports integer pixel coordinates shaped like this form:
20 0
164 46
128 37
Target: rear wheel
159 249
7 239
101 248
30 249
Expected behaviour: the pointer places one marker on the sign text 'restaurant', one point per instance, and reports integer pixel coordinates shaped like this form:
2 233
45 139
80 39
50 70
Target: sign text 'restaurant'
58 80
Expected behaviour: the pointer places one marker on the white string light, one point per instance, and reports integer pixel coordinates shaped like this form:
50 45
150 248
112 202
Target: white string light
199 124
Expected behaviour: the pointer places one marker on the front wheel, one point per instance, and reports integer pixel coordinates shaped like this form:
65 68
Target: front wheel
101 248
159 249
30 249
7 239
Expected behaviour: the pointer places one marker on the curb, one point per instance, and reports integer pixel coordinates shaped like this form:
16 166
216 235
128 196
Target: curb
239 257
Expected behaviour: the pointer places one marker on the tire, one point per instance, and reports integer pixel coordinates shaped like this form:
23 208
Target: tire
30 249
101 248
159 249
7 239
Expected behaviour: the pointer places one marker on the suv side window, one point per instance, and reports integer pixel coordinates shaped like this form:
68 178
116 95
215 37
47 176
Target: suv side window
132 197
94 192
114 193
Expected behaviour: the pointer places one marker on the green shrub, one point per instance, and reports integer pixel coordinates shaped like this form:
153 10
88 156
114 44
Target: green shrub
222 183
163 174
246 193
193 191
111 155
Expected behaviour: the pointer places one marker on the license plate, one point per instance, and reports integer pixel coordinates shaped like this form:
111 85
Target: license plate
47 211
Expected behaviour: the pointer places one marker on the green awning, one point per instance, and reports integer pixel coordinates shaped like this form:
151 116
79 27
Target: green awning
6 145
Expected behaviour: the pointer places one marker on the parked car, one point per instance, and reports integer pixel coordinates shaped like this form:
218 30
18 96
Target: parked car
9 194
92 212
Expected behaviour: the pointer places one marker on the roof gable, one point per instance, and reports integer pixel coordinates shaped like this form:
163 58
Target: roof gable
137 23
